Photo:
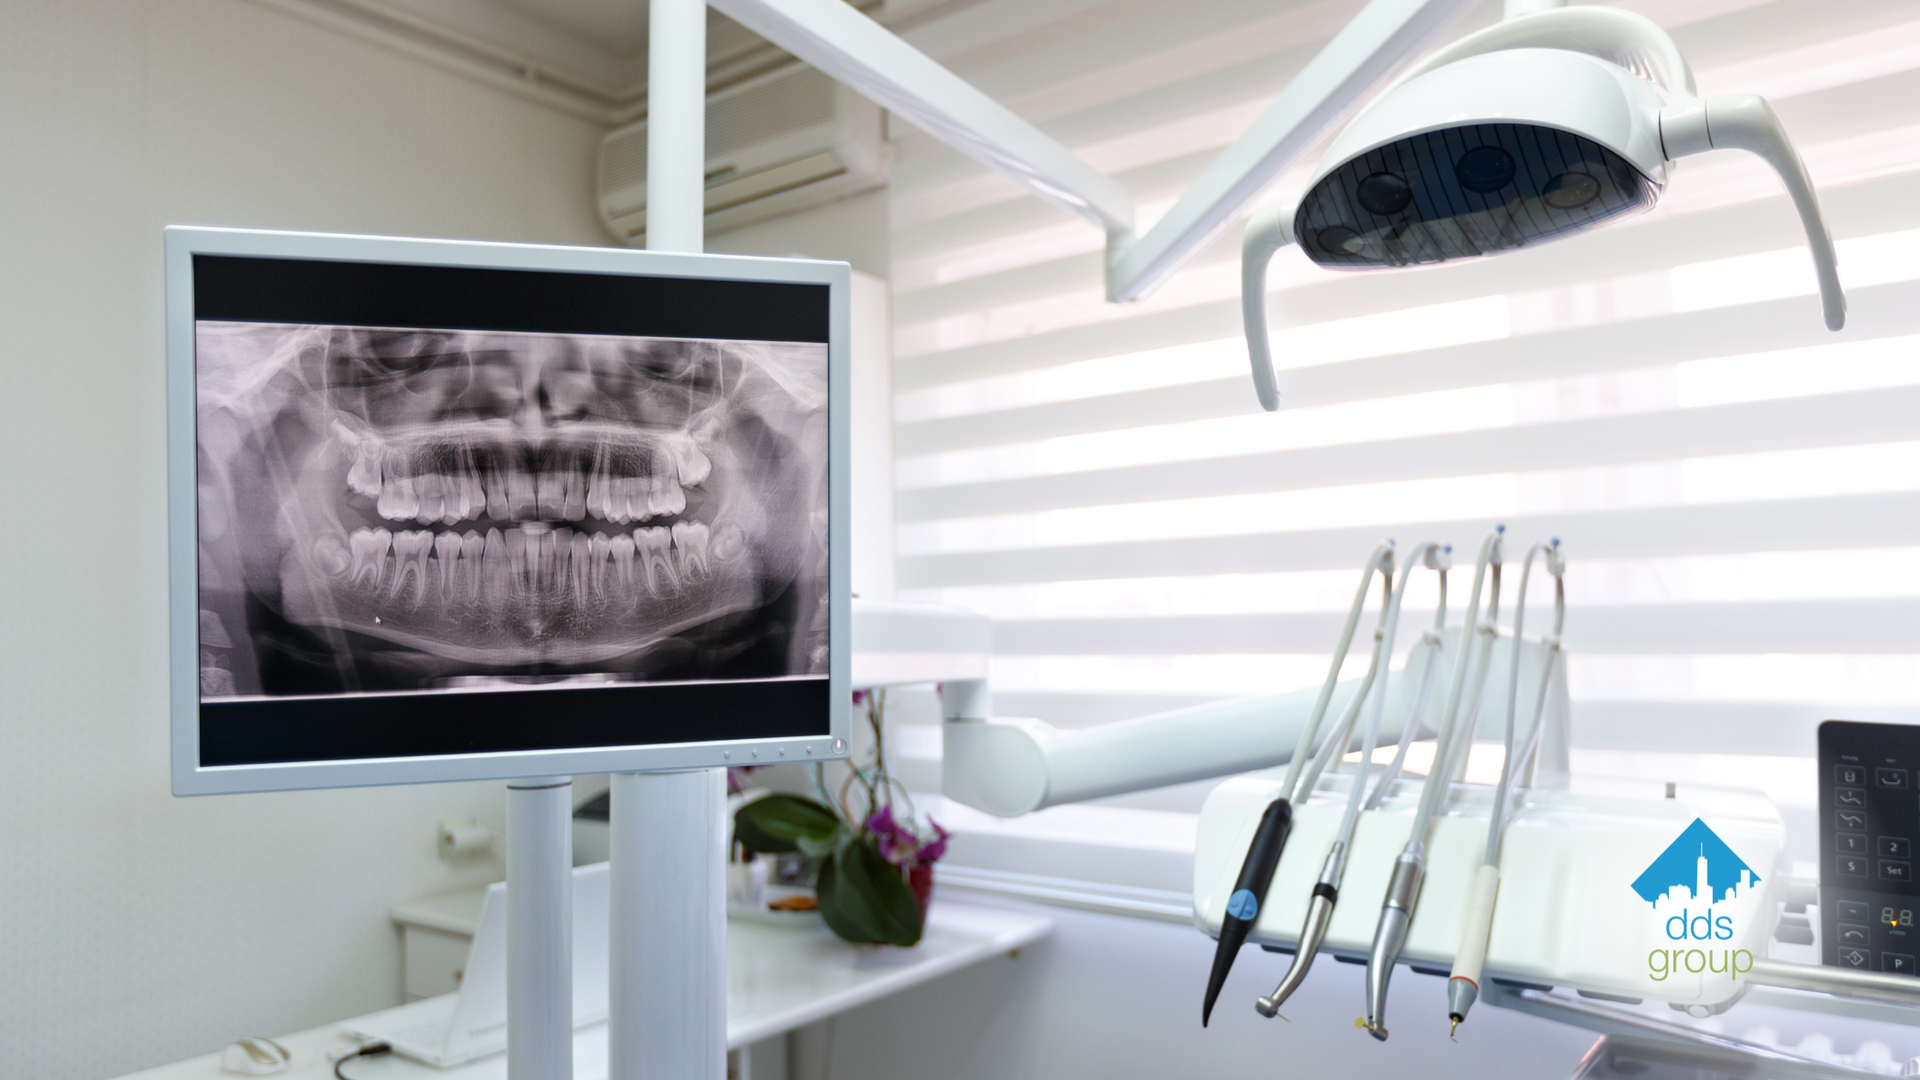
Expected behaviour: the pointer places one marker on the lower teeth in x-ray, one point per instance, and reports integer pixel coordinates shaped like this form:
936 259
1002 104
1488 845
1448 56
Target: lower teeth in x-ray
392 509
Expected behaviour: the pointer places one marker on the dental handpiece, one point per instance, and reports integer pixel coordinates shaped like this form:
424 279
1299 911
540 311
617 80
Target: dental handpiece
1403 886
1326 890
1270 838
1463 982
1409 870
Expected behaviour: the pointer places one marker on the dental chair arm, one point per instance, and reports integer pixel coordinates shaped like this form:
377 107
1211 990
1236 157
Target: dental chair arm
1747 122
1012 766
1267 232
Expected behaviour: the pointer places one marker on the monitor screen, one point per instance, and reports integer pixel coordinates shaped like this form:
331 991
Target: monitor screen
485 517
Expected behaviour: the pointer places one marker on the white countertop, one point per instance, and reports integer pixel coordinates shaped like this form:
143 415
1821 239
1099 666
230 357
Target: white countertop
779 977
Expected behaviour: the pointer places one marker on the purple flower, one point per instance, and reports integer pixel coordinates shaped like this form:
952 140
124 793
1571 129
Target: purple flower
859 696
899 844
938 847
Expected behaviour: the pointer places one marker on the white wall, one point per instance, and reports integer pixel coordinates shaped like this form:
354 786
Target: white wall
136 928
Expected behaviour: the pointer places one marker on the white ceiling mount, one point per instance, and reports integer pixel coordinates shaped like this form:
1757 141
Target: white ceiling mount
854 49
1385 37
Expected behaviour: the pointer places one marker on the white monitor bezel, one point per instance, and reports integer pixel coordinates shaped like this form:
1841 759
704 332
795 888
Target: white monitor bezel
191 778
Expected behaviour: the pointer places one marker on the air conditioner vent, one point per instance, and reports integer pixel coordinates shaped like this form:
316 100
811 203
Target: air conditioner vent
802 99
790 140
623 161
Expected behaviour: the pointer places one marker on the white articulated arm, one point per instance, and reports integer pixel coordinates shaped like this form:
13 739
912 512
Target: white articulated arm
1012 766
1267 232
1747 122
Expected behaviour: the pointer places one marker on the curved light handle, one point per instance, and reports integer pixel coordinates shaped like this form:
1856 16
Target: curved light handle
1747 122
1267 232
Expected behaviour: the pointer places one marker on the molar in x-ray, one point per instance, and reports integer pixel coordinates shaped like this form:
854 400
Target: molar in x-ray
395 509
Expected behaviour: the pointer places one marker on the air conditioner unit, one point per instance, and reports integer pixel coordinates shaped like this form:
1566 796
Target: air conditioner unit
776 144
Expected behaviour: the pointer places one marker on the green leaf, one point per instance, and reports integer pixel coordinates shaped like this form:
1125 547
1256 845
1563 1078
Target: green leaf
865 898
780 823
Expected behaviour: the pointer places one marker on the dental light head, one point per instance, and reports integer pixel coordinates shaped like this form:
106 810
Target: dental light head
1542 127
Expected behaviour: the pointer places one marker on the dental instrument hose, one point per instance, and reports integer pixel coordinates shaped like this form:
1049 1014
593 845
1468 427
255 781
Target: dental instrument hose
1326 890
1438 558
1409 870
1270 838
1463 982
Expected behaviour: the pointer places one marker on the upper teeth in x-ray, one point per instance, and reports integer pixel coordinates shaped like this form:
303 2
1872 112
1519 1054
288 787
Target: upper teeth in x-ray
511 501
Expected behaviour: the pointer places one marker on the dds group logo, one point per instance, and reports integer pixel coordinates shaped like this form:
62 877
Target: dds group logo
1694 887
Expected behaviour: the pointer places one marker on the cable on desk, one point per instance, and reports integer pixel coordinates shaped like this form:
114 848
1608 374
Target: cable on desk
372 1049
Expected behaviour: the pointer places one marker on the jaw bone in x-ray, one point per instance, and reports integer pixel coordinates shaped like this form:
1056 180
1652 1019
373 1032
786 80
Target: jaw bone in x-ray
418 509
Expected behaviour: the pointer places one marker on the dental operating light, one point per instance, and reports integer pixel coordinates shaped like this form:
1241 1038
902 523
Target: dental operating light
1545 126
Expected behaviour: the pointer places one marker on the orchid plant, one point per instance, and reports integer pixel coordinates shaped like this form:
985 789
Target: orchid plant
875 861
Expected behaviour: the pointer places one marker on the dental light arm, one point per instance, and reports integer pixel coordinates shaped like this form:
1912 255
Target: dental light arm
1747 122
1368 52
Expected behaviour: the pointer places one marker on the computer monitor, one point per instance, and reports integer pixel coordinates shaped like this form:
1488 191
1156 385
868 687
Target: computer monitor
452 511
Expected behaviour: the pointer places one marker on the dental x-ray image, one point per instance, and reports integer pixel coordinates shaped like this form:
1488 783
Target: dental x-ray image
387 510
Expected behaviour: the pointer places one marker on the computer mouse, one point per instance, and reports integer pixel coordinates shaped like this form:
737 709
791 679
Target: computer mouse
255 1057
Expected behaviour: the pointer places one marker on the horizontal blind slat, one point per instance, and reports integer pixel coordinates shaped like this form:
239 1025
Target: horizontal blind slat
1772 728
1875 311
1836 522
1847 419
1876 626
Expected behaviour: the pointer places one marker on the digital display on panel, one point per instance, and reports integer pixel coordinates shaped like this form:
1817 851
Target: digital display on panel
446 510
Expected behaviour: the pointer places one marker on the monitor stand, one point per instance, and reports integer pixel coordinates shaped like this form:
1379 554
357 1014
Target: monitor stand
667 1000
667 992
540 928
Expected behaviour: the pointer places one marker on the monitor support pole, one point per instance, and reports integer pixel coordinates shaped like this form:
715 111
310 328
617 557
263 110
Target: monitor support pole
540 928
668 903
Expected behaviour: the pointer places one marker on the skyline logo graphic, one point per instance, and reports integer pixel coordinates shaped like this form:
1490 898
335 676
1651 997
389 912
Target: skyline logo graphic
1697 866
1697 872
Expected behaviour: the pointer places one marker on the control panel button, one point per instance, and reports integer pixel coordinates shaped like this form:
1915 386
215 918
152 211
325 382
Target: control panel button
1893 847
1851 819
1853 866
1855 911
1854 957
1852 934
1894 963
1850 797
1893 778
1849 775
1896 870
1851 843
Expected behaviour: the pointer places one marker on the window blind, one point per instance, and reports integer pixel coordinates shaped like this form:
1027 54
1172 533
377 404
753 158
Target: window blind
1738 489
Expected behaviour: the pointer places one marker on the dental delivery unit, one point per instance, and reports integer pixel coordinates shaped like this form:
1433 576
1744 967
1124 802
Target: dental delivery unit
1551 123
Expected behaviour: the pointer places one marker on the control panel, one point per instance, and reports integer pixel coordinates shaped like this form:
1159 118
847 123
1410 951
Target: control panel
1869 821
